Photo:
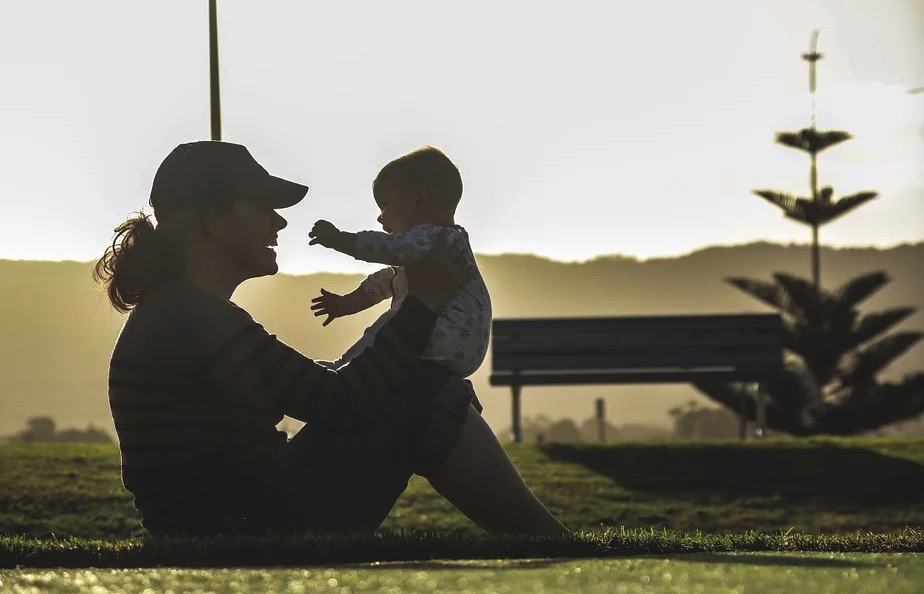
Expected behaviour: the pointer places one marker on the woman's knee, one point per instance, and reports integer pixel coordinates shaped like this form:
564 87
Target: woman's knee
444 423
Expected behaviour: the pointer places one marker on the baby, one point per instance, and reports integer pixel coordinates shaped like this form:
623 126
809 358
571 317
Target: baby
417 194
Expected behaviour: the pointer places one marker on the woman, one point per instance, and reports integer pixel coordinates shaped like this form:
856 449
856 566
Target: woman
196 386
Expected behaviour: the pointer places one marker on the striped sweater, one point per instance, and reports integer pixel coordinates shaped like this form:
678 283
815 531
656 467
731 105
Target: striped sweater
196 388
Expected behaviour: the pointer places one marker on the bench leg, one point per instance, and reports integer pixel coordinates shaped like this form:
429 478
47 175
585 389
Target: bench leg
517 427
761 411
742 418
601 419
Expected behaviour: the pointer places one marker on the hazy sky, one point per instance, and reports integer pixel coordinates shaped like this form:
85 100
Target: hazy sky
581 128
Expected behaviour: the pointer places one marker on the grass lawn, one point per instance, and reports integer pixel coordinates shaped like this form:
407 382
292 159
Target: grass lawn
764 573
820 515
818 486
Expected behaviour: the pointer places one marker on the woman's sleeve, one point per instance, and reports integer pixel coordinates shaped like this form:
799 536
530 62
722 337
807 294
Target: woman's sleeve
239 359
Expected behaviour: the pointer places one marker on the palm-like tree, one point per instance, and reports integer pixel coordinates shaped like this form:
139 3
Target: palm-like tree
820 208
829 383
834 352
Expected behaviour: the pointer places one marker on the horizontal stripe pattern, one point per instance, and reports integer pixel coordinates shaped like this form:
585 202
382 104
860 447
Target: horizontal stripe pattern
196 388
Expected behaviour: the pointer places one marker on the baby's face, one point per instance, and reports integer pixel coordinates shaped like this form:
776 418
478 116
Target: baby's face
399 208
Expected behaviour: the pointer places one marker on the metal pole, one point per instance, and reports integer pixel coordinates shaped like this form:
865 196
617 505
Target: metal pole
214 89
517 428
601 420
742 427
761 411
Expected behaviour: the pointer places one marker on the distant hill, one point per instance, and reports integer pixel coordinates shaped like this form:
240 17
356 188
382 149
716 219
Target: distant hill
57 329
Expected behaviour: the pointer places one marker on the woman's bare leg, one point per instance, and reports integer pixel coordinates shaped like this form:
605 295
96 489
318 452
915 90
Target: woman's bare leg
479 479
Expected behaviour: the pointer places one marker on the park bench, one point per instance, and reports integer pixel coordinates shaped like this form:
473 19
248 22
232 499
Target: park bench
636 349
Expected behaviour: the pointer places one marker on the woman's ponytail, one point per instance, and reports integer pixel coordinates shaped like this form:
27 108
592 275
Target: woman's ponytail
139 259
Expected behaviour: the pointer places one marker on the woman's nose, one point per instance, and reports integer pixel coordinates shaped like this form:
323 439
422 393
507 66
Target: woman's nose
379 219
279 221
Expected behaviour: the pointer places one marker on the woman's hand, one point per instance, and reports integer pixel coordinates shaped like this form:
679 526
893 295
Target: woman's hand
440 274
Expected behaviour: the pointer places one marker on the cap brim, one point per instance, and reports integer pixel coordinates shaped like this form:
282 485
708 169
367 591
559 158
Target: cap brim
282 193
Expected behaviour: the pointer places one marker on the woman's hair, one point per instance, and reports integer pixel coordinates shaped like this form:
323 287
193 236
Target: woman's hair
140 258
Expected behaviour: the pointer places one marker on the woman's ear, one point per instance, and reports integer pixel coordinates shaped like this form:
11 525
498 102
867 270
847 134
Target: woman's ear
210 222
421 198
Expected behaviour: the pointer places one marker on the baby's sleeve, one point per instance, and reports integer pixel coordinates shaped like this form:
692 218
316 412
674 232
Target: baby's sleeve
396 250
377 286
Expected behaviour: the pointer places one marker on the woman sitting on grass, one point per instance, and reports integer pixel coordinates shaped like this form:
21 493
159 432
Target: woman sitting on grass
197 387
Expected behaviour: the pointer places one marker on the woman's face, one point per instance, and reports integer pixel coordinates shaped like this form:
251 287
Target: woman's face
247 236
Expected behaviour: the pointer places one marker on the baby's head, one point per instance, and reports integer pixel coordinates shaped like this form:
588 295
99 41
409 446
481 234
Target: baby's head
422 186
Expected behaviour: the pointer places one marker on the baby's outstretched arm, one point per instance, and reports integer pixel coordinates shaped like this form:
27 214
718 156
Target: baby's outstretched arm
336 306
328 235
375 288
400 249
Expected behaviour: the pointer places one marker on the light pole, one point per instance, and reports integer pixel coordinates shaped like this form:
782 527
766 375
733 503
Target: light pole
214 88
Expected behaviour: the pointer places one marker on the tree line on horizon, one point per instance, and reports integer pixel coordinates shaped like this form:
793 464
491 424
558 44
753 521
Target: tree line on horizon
43 429
689 422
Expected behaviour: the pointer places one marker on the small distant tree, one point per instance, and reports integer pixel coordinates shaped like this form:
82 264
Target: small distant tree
531 429
693 421
89 435
628 432
38 429
544 429
44 430
562 431
834 354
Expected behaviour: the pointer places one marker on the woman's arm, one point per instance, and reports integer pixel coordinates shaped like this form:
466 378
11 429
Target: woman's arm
241 360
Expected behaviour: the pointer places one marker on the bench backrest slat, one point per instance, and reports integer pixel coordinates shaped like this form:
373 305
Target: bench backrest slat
626 376
735 358
583 346
648 324
632 342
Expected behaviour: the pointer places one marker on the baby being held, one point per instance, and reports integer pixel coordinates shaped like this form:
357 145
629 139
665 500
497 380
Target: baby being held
417 194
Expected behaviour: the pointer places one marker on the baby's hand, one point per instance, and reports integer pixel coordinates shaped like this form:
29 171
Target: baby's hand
331 305
325 233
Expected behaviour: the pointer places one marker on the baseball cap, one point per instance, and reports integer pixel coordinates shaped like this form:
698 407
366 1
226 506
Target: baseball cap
212 172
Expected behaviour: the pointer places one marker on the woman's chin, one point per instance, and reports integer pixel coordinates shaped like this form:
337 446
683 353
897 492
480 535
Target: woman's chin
268 264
